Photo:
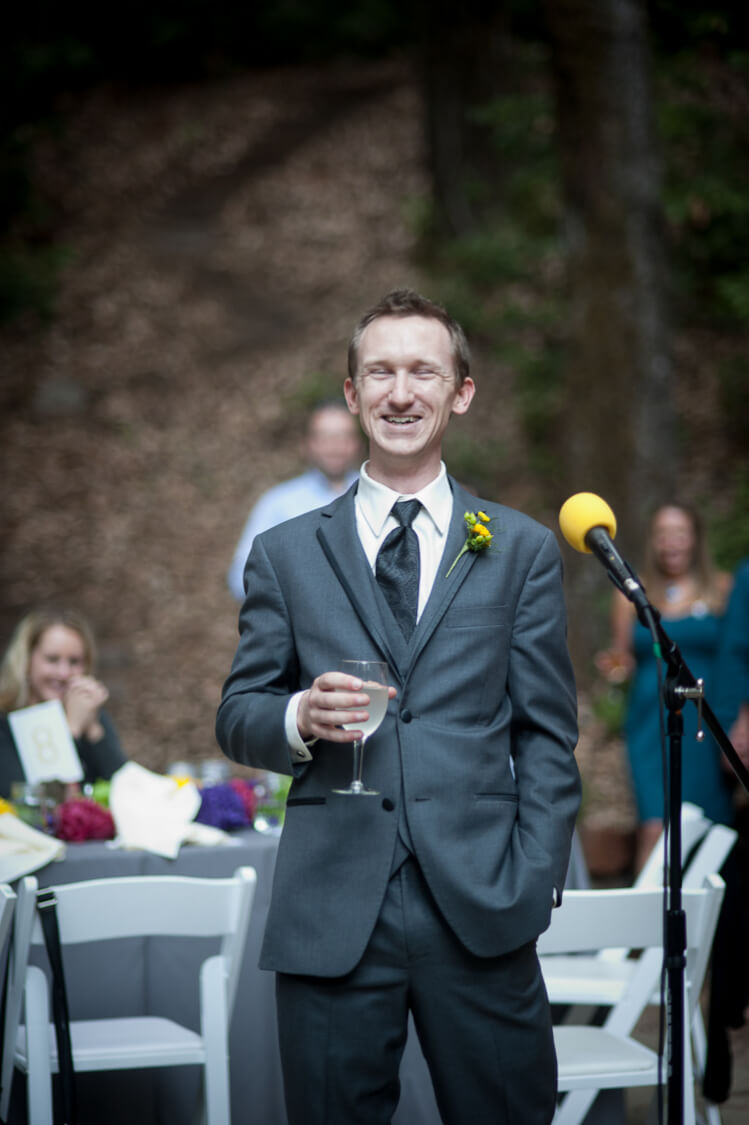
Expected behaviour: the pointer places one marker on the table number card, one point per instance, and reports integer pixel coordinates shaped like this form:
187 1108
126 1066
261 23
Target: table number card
44 743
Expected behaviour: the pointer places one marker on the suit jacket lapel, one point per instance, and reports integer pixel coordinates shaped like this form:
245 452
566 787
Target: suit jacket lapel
338 537
444 588
339 540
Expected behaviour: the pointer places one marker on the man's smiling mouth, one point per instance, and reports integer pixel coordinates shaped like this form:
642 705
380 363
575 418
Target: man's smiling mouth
401 419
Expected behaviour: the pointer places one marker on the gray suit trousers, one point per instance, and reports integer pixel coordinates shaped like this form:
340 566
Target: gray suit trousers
484 1025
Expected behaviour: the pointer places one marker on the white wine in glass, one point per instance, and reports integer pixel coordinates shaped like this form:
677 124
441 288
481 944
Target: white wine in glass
374 677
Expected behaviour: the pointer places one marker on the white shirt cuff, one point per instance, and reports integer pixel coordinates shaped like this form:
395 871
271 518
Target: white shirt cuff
299 748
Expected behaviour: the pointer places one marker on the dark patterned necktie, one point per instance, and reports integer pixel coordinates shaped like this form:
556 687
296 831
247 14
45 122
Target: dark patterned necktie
397 567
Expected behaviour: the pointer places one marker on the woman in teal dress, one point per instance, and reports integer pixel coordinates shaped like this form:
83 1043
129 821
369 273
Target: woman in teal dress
683 584
704 781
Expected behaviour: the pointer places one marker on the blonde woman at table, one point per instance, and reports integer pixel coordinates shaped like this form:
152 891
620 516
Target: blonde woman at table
51 655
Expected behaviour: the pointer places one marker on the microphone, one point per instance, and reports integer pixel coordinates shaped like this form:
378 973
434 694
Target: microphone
589 525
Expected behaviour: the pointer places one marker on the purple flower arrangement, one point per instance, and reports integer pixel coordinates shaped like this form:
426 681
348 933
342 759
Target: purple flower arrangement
222 806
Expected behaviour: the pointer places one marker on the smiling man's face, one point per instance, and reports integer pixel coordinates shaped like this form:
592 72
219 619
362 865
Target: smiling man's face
404 393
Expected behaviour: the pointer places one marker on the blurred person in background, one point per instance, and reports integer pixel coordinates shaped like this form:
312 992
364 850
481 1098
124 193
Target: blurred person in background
732 683
332 448
729 984
51 655
683 583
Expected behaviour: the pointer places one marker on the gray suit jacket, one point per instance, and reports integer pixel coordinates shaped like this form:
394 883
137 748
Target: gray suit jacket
478 744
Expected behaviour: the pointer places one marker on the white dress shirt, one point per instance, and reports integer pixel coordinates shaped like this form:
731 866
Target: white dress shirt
374 522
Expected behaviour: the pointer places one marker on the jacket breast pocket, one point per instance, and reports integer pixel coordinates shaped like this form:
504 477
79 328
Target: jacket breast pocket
477 617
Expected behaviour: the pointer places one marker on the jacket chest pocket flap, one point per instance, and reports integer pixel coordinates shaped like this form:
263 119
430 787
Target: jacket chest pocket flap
477 617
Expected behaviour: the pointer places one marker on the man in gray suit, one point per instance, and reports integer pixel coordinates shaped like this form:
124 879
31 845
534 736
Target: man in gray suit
429 896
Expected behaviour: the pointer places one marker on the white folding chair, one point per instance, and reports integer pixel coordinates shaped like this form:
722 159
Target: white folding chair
609 1057
7 903
7 906
709 858
142 906
694 825
17 957
600 978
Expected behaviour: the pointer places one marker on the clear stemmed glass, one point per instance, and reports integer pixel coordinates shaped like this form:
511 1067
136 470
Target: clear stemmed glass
374 677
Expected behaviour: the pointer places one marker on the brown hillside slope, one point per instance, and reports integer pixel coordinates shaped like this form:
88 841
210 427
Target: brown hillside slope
225 237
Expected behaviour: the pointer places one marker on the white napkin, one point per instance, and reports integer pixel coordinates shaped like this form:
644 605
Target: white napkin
207 835
23 849
151 811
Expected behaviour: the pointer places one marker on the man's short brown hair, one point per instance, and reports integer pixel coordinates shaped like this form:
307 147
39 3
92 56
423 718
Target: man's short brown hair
407 302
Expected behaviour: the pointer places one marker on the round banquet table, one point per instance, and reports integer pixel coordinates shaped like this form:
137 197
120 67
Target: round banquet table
159 976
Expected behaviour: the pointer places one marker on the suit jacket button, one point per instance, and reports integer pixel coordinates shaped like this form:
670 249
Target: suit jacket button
388 805
406 715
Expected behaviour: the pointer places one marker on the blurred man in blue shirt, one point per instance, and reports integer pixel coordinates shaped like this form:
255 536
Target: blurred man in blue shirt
332 448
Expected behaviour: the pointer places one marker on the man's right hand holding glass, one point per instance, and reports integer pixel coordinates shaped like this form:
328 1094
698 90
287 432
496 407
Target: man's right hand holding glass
333 699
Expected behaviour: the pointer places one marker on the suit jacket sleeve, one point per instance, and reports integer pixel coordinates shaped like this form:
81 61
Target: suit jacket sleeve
263 676
541 688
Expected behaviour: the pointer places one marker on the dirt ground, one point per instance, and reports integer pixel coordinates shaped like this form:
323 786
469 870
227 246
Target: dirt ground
735 1111
223 240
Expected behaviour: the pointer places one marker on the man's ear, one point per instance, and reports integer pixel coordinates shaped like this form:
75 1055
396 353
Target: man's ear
464 396
352 397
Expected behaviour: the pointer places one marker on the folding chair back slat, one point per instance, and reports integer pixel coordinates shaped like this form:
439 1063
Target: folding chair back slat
600 978
141 906
595 1058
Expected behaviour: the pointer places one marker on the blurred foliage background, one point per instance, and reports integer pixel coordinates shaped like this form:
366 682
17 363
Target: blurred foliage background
577 197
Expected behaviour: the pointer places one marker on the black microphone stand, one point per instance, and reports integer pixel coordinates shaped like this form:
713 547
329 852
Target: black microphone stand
680 686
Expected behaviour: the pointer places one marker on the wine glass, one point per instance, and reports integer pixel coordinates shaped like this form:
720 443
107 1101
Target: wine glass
374 677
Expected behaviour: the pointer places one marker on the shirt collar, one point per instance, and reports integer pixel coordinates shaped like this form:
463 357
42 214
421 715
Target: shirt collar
376 500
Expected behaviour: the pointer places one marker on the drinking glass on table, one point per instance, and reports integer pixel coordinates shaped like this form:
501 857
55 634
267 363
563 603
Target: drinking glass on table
33 805
374 677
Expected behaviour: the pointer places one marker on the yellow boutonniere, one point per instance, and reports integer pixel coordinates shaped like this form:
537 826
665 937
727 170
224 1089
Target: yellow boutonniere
478 535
